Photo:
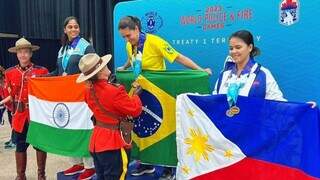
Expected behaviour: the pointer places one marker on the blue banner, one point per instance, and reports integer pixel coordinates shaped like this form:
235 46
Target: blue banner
282 29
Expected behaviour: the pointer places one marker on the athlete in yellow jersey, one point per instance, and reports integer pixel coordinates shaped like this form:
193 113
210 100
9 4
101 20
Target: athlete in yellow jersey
151 49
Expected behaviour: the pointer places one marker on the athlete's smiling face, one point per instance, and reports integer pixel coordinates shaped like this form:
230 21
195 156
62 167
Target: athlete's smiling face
239 50
72 29
130 35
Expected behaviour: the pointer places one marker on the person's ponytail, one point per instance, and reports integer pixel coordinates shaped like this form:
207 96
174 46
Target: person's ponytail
255 52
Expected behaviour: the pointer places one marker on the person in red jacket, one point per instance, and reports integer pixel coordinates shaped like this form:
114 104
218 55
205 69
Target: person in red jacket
110 104
16 88
8 107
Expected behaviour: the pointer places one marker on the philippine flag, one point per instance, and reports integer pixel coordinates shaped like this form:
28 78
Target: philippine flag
266 140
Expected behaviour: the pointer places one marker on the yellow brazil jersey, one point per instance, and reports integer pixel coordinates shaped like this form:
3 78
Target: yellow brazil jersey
155 50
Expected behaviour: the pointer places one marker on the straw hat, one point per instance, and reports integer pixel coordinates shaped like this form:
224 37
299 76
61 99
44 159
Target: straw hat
23 43
90 64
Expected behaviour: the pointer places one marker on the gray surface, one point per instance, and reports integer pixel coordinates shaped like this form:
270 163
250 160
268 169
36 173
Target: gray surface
55 163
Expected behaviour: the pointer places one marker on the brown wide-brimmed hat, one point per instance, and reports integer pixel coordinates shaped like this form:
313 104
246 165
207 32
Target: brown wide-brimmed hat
21 44
90 64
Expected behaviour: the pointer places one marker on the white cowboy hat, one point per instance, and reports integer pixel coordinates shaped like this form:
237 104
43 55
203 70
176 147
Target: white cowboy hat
21 44
90 64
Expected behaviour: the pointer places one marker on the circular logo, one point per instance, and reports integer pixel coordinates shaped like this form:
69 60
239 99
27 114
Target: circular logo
151 22
61 115
151 117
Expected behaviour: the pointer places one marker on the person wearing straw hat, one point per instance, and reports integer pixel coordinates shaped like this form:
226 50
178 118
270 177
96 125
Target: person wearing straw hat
16 86
110 104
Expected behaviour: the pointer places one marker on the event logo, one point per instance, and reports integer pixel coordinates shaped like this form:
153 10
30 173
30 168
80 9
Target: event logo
151 22
151 117
61 115
288 12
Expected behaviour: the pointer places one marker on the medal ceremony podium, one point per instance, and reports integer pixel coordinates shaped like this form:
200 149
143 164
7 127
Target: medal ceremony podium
154 176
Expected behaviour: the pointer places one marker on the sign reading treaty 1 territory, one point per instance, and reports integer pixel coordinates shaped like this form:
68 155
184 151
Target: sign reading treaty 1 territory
284 30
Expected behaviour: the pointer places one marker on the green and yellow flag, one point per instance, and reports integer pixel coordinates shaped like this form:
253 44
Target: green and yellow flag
154 130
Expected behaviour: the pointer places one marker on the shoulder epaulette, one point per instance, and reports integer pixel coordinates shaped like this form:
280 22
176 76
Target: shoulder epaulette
9 69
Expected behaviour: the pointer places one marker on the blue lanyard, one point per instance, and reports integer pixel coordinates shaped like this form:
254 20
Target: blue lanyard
137 61
67 54
142 40
65 57
234 88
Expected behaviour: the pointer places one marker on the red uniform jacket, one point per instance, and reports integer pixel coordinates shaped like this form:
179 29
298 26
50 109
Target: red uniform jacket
4 94
16 85
115 100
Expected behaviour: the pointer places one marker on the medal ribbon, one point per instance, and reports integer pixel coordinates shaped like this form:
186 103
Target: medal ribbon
236 84
137 55
233 92
67 52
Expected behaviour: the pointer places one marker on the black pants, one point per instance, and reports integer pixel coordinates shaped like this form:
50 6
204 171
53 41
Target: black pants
13 139
21 139
111 165
9 116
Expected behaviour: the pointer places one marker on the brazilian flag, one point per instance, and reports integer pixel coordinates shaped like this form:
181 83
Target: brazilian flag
154 137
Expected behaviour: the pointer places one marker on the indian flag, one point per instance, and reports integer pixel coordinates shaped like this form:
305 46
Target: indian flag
59 118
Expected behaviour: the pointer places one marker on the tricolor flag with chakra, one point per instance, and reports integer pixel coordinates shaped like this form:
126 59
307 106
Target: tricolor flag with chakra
59 117
266 140
154 134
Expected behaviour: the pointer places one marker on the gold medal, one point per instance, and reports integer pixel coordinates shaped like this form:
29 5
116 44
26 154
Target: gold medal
234 110
229 113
